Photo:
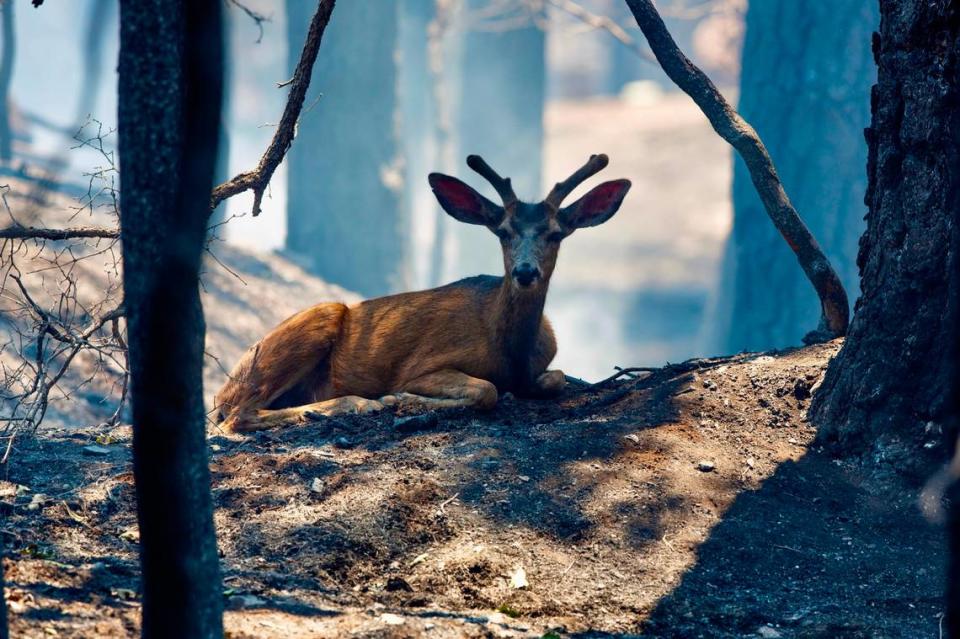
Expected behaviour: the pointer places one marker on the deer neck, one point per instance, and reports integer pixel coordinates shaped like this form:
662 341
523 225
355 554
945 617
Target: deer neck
519 316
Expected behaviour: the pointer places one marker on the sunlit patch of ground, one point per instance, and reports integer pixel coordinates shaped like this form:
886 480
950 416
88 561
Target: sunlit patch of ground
688 503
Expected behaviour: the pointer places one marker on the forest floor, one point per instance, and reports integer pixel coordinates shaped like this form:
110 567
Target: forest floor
691 502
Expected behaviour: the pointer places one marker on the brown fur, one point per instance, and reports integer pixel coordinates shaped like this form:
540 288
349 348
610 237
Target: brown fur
457 345
468 340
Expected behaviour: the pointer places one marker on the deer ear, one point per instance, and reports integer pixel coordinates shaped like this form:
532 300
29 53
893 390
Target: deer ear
596 207
463 203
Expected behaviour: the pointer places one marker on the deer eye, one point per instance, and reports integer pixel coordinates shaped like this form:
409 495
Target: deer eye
556 236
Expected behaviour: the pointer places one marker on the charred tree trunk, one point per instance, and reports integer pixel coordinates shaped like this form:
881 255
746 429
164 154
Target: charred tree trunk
500 117
887 391
805 87
344 178
7 54
170 82
4 632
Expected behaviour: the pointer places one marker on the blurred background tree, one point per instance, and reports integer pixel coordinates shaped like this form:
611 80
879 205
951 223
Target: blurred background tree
344 213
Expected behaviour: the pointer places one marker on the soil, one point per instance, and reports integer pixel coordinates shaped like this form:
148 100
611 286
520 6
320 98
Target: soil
689 502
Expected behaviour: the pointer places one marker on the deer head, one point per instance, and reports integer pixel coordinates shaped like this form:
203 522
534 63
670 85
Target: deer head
530 234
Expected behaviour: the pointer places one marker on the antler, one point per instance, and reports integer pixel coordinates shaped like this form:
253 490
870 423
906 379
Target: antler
561 190
501 184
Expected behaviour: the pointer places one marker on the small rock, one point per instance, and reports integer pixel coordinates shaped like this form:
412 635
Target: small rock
239 602
751 462
518 579
801 388
709 384
632 438
391 619
414 423
523 478
705 466
342 442
37 501
768 632
396 584
95 450
317 485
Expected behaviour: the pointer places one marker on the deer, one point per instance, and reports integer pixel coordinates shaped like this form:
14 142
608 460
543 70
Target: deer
458 345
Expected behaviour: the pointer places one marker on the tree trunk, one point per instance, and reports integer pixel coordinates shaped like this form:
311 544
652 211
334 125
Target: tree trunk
500 116
100 18
886 392
170 81
417 122
7 55
344 177
4 632
805 87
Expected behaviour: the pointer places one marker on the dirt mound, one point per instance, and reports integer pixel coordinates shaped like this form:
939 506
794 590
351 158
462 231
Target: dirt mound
687 503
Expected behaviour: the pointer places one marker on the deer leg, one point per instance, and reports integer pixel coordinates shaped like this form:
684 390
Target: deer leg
298 415
288 357
444 389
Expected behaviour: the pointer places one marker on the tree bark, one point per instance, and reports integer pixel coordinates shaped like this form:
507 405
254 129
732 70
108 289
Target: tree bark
170 83
344 175
805 87
886 393
4 631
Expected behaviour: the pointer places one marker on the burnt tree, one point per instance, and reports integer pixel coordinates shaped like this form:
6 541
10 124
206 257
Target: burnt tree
170 83
805 87
4 632
887 391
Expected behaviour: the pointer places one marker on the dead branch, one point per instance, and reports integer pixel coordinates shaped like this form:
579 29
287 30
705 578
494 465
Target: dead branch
258 179
835 310
258 18
35 233
603 23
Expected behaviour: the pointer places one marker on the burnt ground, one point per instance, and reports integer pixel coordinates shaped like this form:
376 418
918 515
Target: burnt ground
689 503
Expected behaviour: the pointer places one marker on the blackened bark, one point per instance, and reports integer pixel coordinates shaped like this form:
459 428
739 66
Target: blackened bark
886 391
4 632
7 54
805 87
344 177
170 83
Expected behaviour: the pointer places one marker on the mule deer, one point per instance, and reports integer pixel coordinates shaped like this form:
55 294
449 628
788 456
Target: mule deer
457 345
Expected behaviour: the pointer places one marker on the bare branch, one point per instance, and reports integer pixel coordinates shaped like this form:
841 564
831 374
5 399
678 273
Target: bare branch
258 18
741 136
35 233
603 23
258 179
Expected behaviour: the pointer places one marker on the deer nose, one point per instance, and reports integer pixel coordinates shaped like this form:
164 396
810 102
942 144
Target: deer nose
525 274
